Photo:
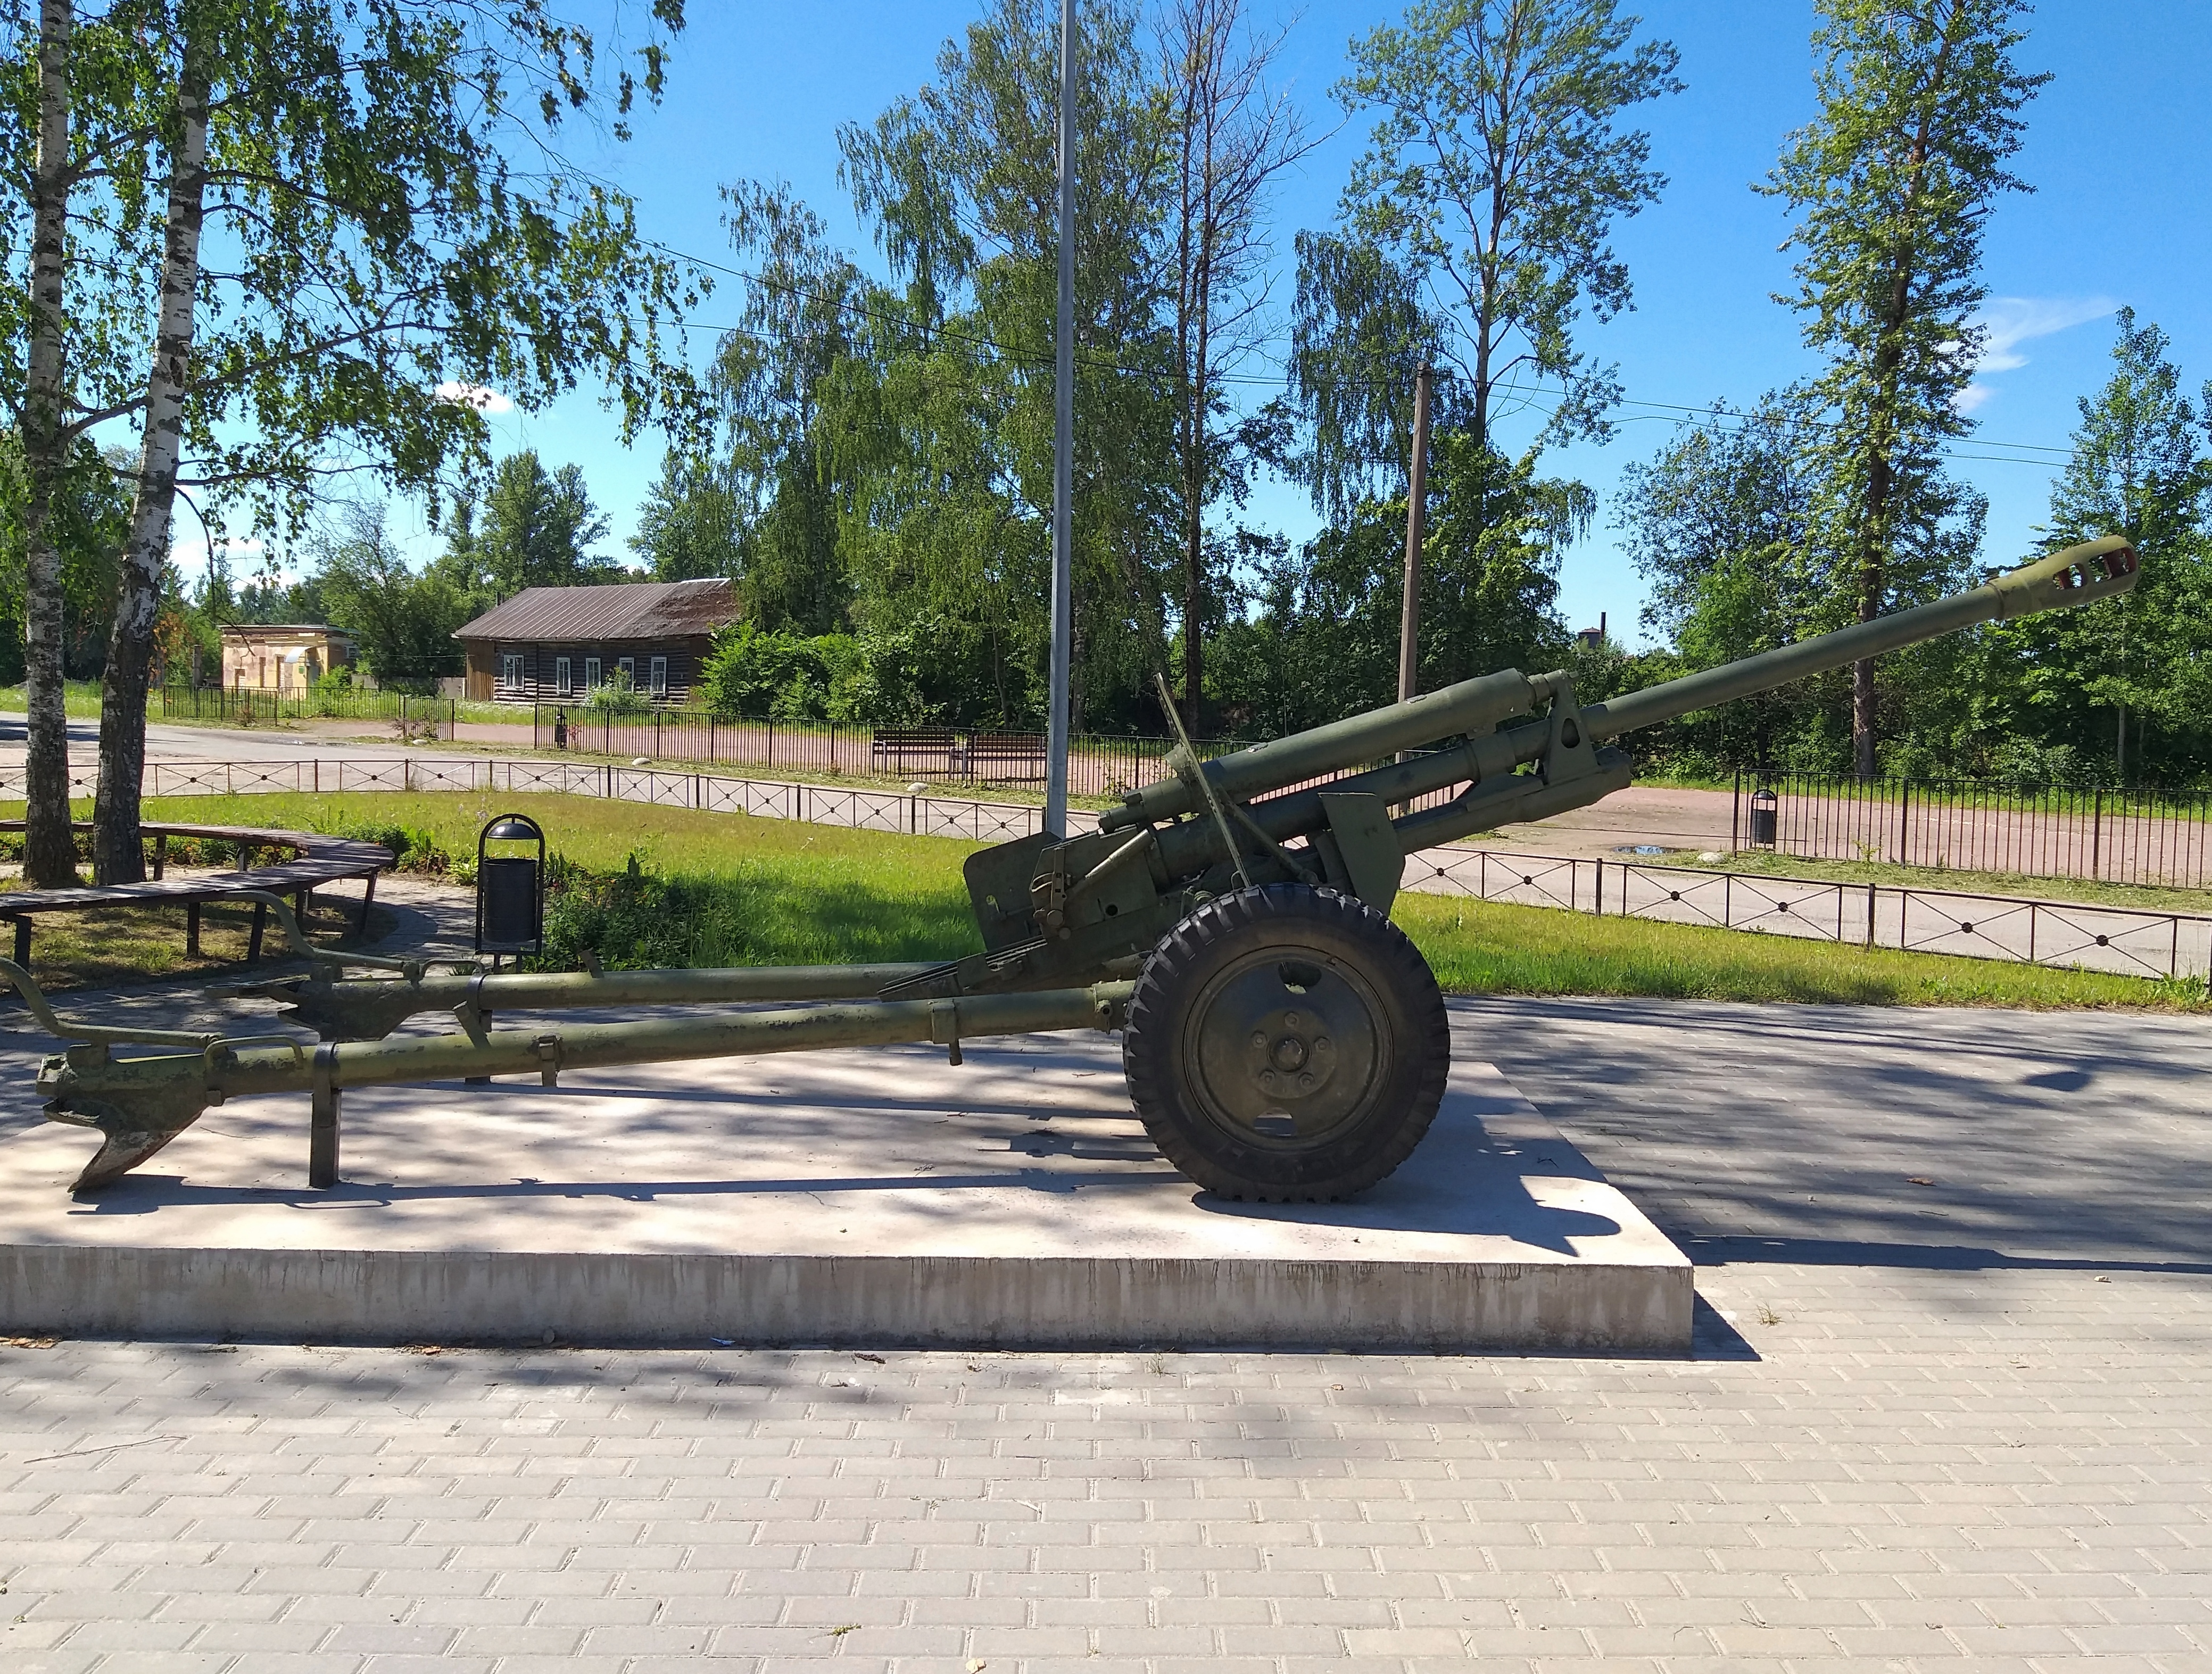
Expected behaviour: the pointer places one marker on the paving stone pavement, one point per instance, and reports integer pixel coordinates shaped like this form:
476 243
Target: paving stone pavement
1957 1426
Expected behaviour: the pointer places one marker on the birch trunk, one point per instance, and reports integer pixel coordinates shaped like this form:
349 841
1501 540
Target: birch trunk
48 847
118 854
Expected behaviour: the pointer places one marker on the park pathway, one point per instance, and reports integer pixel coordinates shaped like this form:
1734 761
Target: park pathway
1950 1411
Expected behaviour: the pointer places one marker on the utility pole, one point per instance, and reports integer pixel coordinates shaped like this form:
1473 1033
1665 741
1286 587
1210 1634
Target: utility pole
1063 447
1417 486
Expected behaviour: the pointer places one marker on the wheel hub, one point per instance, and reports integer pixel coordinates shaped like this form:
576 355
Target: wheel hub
1285 1051
1291 1057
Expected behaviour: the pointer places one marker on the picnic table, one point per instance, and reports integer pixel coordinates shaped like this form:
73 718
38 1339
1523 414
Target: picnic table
317 859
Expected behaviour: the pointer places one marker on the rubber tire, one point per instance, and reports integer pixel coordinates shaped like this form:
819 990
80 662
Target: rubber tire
1317 925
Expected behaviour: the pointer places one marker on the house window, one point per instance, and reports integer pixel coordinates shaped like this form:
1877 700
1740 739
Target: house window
561 676
591 677
510 669
627 667
659 676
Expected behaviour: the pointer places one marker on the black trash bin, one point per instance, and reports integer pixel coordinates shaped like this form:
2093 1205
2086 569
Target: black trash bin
1764 822
511 888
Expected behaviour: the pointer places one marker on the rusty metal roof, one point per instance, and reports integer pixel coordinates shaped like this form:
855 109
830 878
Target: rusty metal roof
633 611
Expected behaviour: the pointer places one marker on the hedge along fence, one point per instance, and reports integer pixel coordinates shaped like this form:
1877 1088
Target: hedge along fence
248 706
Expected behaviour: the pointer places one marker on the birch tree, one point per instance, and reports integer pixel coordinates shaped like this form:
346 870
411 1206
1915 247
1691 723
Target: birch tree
311 238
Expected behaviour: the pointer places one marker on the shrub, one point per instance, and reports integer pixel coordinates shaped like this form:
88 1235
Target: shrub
413 849
633 919
617 697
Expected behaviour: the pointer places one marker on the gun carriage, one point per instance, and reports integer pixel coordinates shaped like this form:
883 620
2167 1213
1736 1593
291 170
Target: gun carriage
1282 1039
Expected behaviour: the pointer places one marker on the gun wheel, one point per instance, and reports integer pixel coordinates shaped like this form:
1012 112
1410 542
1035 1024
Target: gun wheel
1286 1044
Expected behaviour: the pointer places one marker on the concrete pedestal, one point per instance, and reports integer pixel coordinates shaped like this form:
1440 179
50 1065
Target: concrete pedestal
868 1197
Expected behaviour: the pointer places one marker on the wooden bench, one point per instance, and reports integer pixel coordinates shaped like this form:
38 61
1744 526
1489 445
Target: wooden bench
900 748
318 859
989 751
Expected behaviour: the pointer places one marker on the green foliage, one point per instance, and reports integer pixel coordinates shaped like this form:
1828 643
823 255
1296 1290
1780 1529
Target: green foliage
538 531
1727 523
402 623
1492 180
633 920
2120 691
927 672
399 237
778 675
1892 183
691 524
1323 642
90 518
414 848
884 464
617 697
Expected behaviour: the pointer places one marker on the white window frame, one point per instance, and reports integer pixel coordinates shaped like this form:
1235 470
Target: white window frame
561 676
627 668
659 675
592 677
510 669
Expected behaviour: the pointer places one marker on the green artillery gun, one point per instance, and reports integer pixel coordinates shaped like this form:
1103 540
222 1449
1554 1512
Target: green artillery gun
1283 1040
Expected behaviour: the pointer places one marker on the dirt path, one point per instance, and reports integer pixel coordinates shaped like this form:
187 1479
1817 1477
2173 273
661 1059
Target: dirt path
1656 815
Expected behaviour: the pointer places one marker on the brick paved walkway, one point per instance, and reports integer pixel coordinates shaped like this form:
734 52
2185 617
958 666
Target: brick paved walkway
1963 1425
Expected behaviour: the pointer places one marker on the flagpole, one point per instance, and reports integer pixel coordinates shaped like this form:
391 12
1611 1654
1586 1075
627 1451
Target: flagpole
1063 446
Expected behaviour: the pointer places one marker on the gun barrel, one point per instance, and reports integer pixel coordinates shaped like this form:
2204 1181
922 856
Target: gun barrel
2080 575
1467 706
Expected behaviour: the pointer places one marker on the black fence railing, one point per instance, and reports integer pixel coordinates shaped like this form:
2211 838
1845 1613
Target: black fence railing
1096 767
2125 941
2111 834
969 755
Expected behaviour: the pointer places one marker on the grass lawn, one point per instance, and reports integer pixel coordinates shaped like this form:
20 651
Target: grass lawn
1487 947
773 891
80 698
770 891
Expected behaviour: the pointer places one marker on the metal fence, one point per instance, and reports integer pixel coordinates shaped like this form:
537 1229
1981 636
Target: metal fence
1096 767
820 804
2111 835
248 706
2123 941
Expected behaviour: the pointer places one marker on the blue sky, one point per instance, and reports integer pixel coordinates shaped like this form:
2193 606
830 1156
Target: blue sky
2113 149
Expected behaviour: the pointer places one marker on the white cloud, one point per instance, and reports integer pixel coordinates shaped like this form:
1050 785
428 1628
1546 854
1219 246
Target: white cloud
474 395
2010 321
196 549
2007 322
